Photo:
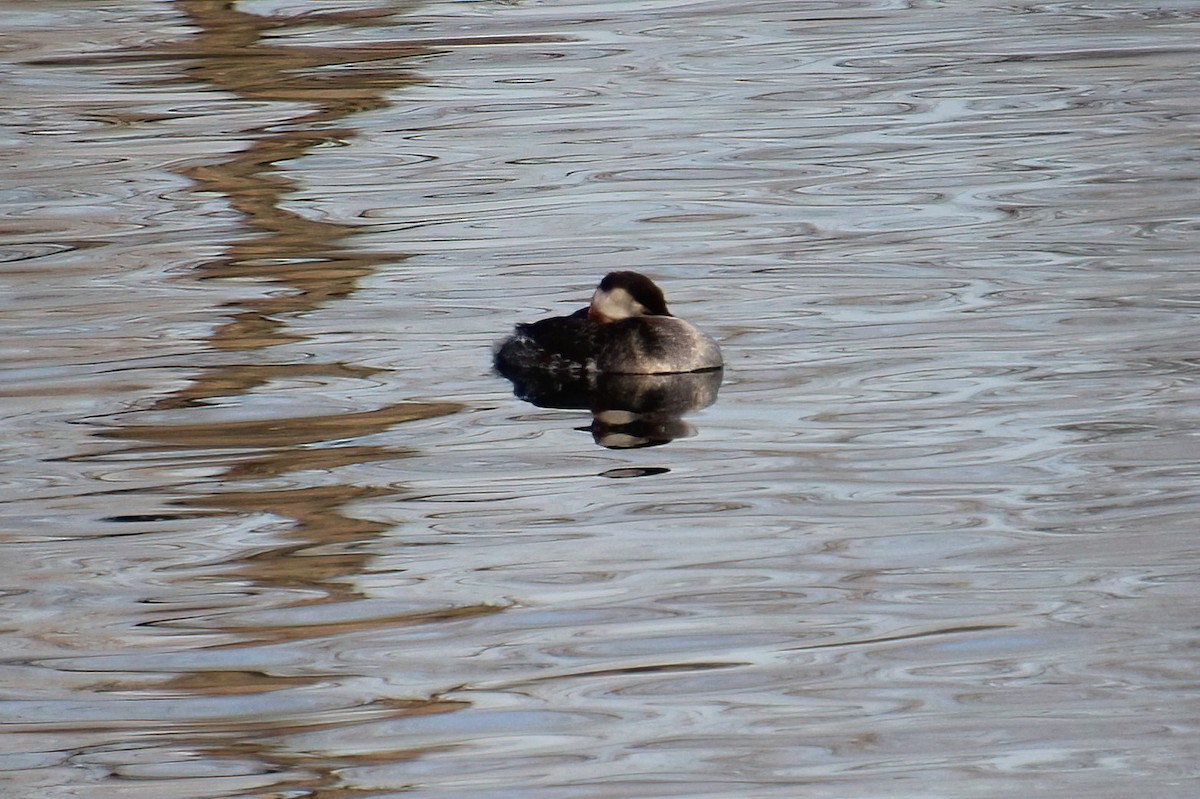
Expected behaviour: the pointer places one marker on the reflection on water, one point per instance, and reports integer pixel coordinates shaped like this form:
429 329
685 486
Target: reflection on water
273 528
627 410
304 267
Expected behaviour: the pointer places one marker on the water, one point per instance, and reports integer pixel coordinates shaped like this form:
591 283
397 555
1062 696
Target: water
273 528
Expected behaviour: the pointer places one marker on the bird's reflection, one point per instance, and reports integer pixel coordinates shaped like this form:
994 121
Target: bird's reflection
627 410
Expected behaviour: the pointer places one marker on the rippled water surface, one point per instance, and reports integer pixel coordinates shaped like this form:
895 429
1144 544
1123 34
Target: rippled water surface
273 528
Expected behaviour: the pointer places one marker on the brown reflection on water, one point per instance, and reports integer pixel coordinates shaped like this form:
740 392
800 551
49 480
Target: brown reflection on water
281 447
229 380
286 432
292 251
299 773
308 266
306 260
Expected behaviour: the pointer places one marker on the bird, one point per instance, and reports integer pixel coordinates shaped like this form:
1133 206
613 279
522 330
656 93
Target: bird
625 329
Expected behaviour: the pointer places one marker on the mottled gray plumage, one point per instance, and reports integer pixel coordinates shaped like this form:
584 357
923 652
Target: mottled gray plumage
627 329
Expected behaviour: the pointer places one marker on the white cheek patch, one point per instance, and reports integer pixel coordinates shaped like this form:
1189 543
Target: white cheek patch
616 304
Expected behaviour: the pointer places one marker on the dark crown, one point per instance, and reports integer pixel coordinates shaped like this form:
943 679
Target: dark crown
641 288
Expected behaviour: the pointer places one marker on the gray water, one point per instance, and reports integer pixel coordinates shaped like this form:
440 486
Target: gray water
273 528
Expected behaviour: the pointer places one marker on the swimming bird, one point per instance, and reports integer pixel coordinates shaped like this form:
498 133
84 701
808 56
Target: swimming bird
626 329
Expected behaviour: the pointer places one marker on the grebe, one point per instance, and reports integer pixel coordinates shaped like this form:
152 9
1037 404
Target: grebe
627 329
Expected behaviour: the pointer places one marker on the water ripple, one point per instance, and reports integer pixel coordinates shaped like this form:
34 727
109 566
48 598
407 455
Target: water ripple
275 528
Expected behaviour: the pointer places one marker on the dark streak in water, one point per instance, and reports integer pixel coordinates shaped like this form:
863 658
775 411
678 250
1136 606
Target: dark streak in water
660 668
890 639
